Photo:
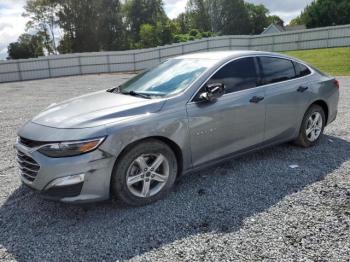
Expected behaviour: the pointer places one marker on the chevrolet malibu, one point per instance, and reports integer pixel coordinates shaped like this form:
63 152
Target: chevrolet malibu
134 140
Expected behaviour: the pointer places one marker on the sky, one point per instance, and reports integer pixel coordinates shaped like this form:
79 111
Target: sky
12 23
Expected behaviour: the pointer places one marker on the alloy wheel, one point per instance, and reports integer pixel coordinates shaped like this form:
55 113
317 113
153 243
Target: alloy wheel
314 126
147 175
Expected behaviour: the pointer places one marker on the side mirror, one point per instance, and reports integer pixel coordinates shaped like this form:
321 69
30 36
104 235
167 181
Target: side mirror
213 91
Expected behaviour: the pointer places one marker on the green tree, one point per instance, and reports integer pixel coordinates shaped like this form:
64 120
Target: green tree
233 17
325 13
42 17
214 10
165 32
198 13
65 46
160 34
219 16
182 22
98 25
139 12
86 25
78 19
148 36
258 18
111 29
299 20
27 46
275 19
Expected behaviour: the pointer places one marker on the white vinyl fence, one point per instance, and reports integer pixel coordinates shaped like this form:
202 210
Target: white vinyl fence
135 60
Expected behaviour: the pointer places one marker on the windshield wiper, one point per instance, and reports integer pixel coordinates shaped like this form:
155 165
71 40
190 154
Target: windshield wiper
113 90
133 93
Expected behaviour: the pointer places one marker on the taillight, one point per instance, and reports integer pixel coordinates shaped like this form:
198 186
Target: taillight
336 82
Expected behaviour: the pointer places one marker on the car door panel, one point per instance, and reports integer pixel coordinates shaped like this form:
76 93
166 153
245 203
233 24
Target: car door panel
284 105
285 96
225 126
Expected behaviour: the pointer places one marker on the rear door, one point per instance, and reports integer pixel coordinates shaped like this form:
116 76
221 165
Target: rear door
286 95
234 121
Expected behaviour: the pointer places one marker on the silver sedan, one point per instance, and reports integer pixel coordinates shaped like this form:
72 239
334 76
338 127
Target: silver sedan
134 140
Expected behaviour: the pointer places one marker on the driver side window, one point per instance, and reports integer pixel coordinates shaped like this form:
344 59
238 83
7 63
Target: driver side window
237 75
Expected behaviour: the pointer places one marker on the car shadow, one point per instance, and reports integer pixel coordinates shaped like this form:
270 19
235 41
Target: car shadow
218 199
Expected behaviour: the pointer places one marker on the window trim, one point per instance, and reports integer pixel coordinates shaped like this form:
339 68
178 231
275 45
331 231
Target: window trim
191 100
257 72
295 64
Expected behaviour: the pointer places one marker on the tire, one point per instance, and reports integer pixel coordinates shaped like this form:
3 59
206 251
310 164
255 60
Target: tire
307 138
129 168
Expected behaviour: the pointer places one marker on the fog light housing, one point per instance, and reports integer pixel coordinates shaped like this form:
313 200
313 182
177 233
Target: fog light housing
66 181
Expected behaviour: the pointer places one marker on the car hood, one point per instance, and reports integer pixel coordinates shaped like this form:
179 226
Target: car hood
95 109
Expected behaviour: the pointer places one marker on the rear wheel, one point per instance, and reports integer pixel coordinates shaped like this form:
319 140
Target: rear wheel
312 126
145 173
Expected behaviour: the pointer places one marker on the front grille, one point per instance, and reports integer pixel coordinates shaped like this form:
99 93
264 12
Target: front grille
30 143
28 166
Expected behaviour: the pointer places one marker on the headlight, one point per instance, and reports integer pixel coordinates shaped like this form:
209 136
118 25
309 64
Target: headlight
66 149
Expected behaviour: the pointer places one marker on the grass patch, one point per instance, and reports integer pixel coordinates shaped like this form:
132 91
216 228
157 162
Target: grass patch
333 61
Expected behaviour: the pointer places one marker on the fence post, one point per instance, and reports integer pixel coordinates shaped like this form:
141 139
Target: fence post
79 64
249 42
109 63
208 44
159 55
182 48
328 35
299 41
19 71
134 59
49 67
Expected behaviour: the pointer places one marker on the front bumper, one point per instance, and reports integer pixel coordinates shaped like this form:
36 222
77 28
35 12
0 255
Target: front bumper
78 179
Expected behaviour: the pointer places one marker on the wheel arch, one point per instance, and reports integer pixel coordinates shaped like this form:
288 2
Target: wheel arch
324 106
173 145
320 103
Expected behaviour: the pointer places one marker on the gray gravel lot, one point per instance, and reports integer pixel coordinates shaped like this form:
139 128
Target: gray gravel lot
252 208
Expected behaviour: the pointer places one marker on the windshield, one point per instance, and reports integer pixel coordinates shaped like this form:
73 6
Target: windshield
168 78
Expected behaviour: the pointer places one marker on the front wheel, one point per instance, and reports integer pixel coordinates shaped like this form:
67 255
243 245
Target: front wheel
145 173
312 126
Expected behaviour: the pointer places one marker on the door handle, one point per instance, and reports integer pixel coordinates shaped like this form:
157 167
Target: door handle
256 99
302 89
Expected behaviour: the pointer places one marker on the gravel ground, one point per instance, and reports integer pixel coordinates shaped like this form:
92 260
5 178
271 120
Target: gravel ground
252 208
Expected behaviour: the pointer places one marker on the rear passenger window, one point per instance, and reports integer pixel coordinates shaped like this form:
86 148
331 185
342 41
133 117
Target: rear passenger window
301 70
237 75
276 69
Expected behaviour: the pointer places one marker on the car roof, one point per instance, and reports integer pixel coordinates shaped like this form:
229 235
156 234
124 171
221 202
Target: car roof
225 55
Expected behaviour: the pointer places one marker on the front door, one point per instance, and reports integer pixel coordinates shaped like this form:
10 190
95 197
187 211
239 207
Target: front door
233 122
